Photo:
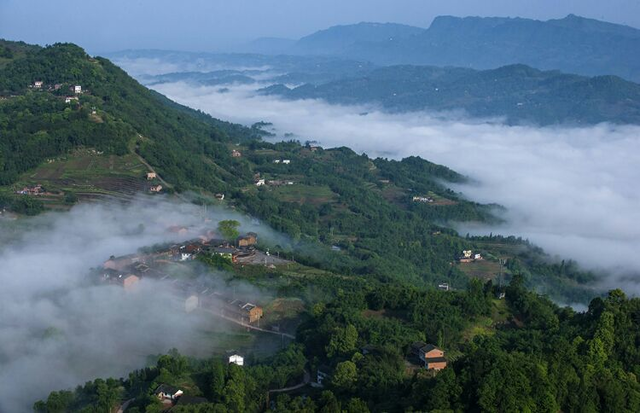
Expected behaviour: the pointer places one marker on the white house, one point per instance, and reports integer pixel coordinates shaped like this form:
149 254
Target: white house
276 161
37 84
286 161
236 359
77 89
260 182
477 256
185 256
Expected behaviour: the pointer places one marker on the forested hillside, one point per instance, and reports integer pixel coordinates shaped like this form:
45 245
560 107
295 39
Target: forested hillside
525 354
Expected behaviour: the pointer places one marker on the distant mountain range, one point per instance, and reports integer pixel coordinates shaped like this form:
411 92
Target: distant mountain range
518 93
573 44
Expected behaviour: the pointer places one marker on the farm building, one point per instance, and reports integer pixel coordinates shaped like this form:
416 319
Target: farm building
129 281
243 311
236 359
156 188
251 238
151 175
432 357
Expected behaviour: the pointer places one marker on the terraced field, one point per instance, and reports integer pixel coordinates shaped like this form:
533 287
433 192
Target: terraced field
91 176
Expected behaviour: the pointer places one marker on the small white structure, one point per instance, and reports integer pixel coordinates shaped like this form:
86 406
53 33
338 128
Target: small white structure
236 359
191 303
466 253
427 199
184 256
444 286
70 99
260 182
77 89
286 161
477 257
276 161
38 84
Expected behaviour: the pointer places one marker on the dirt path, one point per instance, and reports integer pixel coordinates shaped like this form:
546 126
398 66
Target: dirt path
305 380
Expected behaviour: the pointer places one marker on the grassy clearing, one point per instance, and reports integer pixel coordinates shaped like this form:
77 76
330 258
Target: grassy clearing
306 194
485 269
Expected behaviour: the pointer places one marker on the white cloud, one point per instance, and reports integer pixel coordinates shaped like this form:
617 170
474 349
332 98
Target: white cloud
573 191
58 328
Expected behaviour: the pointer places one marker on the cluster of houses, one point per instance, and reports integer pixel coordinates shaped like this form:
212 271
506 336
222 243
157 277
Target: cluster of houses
425 199
171 396
126 271
31 190
283 161
470 256
76 89
154 188
275 182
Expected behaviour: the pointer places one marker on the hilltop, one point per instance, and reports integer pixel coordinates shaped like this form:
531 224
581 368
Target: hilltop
517 93
572 44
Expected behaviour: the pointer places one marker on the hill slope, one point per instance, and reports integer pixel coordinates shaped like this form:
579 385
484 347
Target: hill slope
336 197
517 93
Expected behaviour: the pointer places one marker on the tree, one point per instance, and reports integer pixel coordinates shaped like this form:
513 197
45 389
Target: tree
229 229
217 380
345 376
343 341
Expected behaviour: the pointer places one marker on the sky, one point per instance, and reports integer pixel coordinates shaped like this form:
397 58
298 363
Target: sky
211 25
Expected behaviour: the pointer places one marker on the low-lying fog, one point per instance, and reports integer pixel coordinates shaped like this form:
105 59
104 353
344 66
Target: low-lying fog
57 328
571 190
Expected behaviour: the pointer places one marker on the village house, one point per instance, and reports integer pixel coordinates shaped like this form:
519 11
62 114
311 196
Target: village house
469 256
276 161
120 263
156 188
260 182
220 197
251 238
70 99
236 154
38 84
225 252
77 89
166 392
151 175
444 286
432 357
286 161
236 359
243 311
129 281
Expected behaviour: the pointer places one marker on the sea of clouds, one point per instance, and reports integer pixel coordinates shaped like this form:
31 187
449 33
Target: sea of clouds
571 190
